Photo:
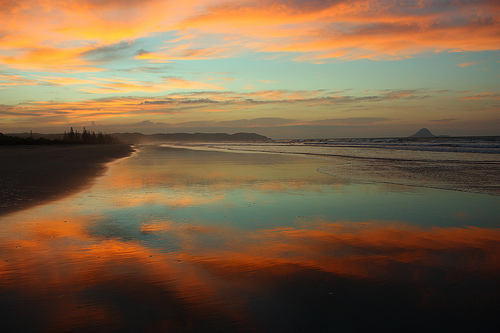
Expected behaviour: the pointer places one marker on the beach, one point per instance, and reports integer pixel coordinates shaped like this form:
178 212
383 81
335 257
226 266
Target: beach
203 240
464 167
32 175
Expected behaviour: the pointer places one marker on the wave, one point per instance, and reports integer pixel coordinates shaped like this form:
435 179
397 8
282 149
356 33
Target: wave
466 146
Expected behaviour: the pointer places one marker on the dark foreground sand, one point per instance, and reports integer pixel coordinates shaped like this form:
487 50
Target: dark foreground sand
32 175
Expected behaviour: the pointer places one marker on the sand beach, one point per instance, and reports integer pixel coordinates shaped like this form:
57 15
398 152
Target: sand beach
32 175
196 240
465 170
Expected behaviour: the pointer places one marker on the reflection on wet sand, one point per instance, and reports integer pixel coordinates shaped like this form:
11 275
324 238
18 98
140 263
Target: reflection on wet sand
66 277
158 246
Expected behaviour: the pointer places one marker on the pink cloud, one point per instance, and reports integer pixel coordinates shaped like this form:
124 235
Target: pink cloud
467 64
483 95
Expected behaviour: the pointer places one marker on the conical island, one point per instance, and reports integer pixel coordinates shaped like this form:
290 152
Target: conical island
423 133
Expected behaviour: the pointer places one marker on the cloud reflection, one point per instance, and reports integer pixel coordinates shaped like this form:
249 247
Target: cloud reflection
204 281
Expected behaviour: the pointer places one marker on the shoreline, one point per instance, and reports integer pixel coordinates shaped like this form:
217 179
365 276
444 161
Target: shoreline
34 175
472 177
480 175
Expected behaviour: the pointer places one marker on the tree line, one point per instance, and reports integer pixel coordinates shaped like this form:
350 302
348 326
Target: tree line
87 137
71 137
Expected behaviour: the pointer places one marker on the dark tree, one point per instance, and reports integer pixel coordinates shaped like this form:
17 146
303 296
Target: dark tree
85 135
71 135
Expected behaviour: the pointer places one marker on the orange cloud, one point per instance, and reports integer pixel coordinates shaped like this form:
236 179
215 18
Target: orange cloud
54 35
186 52
178 83
63 81
359 29
16 80
483 95
50 59
124 85
231 106
467 64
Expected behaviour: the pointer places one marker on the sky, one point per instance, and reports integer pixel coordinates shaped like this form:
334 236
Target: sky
281 68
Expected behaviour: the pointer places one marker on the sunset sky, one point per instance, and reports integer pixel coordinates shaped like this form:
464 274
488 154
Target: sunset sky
281 68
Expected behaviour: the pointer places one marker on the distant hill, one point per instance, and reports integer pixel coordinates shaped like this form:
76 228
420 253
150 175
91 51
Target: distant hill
423 133
36 138
188 137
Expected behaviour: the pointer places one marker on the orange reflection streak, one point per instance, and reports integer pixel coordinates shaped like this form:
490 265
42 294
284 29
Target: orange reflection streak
374 244
56 257
52 256
366 254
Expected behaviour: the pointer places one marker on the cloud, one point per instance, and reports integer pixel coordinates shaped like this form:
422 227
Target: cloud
63 80
349 121
446 120
185 52
277 122
161 102
68 36
295 97
404 94
483 95
256 122
147 123
53 35
97 84
16 80
127 85
179 83
353 29
315 113
112 52
50 59
467 64
153 69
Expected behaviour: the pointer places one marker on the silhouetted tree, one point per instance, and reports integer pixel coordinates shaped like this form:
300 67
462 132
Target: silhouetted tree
85 135
71 135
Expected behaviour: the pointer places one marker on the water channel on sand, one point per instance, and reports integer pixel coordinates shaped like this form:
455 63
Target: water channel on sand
174 239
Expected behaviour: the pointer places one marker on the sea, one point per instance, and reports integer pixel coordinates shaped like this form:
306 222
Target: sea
359 235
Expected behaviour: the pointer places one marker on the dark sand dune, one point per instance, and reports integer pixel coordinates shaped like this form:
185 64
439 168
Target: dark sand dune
32 175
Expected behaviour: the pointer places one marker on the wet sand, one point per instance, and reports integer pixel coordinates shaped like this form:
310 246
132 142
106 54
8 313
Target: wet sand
32 175
476 177
476 173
